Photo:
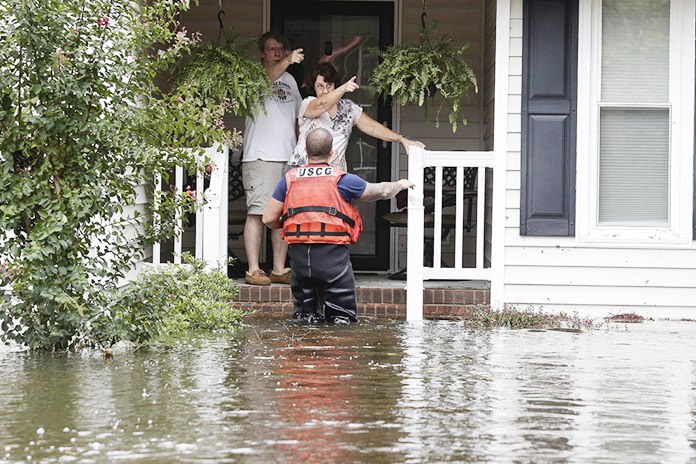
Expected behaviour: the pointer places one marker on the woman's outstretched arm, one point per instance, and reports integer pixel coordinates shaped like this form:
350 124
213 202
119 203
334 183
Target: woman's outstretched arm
371 127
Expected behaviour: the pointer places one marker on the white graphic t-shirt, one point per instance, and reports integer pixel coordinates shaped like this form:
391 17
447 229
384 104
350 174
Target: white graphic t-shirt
347 115
270 136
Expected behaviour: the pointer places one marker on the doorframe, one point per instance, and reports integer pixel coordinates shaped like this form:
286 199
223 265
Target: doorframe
394 169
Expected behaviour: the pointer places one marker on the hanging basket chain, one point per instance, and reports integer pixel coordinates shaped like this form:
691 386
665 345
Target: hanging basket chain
221 30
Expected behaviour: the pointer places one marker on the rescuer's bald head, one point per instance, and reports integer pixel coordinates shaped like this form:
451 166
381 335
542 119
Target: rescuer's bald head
319 143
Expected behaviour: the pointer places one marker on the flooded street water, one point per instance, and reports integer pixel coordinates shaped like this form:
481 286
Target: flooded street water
378 392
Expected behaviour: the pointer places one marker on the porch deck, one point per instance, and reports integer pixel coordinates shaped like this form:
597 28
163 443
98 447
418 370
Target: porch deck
377 297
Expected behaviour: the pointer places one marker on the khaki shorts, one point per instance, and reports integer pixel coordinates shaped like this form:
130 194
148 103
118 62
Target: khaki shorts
260 179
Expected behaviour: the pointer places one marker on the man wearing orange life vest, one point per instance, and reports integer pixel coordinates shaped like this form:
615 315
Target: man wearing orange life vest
312 206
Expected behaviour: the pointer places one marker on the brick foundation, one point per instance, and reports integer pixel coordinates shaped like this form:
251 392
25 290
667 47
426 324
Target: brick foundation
374 301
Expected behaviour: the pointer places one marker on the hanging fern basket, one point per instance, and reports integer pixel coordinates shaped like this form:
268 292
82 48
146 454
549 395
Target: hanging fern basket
219 72
408 73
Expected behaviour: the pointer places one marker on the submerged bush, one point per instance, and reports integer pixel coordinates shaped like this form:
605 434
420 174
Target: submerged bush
513 318
168 301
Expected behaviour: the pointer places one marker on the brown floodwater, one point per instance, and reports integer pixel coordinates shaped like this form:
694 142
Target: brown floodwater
377 392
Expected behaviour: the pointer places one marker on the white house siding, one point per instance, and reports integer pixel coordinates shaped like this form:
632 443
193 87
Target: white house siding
559 274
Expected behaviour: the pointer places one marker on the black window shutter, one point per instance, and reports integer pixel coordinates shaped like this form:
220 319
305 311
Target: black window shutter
549 122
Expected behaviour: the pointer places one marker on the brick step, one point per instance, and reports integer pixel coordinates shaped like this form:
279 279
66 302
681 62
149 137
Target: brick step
375 299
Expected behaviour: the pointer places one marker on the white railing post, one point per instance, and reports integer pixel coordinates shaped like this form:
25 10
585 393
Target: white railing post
480 216
214 223
415 232
156 247
179 216
200 186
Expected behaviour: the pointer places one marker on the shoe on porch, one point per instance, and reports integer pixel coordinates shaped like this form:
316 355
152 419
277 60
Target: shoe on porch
257 277
282 277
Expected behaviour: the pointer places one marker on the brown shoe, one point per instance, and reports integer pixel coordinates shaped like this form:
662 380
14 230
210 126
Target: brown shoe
282 277
258 277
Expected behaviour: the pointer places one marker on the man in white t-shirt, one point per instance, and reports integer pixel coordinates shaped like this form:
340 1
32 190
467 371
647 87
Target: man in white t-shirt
269 140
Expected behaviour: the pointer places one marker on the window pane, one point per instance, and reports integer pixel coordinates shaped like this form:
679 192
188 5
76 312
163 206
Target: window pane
635 50
634 166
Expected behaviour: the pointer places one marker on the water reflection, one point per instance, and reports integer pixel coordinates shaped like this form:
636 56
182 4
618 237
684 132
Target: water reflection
377 392
316 394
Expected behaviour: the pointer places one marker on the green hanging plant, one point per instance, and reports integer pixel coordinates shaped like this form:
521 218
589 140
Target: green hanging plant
411 73
219 73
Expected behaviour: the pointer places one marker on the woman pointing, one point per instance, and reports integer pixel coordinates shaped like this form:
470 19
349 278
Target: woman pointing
329 110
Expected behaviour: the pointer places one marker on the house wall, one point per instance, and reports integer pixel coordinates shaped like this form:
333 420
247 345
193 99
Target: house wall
560 274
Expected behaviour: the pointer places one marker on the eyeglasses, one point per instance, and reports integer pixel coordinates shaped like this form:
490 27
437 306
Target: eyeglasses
322 87
275 49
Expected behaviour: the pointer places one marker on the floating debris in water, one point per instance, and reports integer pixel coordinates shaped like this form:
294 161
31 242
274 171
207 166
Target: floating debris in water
625 317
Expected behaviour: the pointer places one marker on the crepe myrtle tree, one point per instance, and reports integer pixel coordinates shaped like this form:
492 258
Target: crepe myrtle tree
82 125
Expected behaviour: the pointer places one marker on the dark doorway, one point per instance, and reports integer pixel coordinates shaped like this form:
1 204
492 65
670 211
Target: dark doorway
348 34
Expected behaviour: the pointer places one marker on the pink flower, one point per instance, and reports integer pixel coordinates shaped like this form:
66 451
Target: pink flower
209 168
228 104
59 57
103 21
181 36
180 99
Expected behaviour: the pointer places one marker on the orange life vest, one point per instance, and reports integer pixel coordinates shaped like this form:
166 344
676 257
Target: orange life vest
314 210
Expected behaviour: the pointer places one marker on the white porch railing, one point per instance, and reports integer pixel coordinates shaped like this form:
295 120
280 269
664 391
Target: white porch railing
418 160
211 217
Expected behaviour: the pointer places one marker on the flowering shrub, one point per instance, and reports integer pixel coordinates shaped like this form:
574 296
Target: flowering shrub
82 126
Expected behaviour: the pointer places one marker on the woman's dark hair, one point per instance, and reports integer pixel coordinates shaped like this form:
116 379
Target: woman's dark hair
328 72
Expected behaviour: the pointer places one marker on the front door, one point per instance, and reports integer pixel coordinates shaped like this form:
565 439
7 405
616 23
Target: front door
348 34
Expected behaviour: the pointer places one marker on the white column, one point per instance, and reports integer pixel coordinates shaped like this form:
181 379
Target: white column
500 137
415 232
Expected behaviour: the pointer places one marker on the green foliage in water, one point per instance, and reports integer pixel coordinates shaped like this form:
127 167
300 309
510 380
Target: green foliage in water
168 301
83 131
513 318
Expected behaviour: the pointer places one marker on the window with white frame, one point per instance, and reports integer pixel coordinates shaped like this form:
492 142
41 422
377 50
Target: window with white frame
639 119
